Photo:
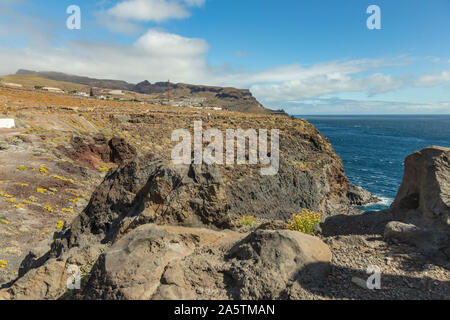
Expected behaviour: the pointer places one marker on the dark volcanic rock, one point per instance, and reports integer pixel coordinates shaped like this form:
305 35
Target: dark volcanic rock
120 150
92 151
423 203
360 197
424 196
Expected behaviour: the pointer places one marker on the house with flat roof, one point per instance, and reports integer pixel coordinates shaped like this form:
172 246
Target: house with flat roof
7 123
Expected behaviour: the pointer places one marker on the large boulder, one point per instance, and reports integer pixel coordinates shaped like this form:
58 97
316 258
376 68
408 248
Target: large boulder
159 262
424 195
266 264
422 204
132 268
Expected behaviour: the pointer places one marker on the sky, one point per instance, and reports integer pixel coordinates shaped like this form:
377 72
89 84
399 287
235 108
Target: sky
304 56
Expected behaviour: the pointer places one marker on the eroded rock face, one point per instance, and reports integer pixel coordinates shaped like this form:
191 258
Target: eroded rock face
424 195
92 151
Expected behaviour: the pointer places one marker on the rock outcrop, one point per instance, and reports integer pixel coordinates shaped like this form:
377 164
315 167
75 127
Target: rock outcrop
92 151
422 204
268 264
424 196
360 197
157 262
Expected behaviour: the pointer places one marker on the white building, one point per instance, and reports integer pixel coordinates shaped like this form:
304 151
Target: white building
54 90
7 123
117 92
13 85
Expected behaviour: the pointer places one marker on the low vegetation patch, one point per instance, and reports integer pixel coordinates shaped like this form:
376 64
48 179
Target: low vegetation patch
304 221
247 221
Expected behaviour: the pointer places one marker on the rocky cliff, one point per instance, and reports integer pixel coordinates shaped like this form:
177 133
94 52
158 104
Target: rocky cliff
136 203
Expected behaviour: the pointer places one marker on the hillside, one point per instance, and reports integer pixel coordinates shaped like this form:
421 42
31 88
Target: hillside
187 95
59 76
32 80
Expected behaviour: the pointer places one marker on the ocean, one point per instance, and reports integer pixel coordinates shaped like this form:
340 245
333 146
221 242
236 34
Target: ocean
373 148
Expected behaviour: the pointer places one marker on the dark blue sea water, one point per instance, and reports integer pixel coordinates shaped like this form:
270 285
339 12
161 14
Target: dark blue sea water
373 148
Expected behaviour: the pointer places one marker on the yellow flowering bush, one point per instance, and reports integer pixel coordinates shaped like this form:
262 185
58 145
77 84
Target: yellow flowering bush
304 221
247 221
43 170
63 179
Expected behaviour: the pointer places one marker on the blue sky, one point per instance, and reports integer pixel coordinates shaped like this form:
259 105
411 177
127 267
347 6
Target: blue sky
308 57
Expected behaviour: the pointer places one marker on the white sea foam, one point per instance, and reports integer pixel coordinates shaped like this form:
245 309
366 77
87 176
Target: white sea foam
385 201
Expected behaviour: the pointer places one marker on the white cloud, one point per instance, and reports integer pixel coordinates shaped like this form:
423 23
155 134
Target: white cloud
326 79
156 56
348 106
152 10
431 80
163 44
